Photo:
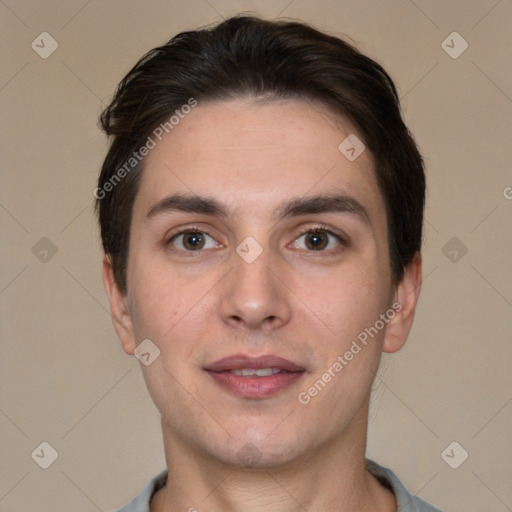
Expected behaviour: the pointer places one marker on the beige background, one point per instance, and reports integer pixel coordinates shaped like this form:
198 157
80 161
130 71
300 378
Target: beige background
64 378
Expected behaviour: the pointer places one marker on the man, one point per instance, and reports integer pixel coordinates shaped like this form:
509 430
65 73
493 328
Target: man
261 211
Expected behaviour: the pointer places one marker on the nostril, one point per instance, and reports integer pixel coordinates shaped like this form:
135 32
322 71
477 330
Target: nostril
269 320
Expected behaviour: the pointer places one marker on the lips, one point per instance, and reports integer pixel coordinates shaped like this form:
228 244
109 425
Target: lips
259 377
241 362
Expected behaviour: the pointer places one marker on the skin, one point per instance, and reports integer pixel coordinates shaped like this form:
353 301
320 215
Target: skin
300 304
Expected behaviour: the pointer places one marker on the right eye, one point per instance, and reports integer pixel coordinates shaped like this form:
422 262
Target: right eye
193 240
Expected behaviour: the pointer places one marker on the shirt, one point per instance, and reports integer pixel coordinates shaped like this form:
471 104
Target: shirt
386 477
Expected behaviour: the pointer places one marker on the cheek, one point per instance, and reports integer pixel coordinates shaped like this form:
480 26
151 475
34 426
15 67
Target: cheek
156 300
350 349
168 311
168 307
351 301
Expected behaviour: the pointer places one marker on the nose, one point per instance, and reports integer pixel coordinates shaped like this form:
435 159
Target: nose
255 296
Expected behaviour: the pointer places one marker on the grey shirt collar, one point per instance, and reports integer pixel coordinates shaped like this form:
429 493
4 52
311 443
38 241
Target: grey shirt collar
386 477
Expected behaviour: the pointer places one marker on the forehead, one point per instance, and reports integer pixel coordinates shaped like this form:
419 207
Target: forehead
257 153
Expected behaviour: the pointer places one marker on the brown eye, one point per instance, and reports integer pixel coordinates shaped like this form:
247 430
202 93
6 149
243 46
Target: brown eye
193 241
316 240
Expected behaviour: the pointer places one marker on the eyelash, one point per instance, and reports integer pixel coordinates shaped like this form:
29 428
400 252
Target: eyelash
321 228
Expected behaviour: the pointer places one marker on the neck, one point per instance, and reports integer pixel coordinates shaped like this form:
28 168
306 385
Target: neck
335 474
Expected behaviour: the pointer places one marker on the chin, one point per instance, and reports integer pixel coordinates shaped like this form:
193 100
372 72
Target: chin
252 457
261 448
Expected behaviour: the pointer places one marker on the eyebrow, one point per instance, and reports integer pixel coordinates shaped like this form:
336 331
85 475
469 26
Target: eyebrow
188 203
325 203
329 203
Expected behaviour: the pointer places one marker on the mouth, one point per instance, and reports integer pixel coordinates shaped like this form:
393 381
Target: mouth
259 377
249 372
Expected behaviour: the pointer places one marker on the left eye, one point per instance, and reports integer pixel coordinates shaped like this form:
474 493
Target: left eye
193 241
317 240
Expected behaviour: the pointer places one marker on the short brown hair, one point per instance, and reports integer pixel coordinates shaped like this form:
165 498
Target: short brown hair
248 56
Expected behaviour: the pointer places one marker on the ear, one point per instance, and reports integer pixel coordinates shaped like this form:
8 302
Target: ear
121 317
405 298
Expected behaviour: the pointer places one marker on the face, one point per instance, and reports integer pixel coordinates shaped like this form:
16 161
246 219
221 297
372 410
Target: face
256 245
